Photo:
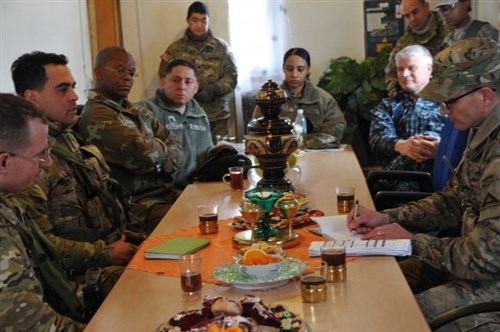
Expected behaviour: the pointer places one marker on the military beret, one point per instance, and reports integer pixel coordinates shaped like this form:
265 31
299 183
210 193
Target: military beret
462 67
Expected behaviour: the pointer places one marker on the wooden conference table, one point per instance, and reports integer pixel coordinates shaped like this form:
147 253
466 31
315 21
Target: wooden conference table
375 296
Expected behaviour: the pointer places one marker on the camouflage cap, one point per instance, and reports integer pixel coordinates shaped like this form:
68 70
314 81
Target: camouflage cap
462 67
447 3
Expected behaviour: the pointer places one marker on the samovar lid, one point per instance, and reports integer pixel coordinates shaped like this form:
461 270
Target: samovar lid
270 92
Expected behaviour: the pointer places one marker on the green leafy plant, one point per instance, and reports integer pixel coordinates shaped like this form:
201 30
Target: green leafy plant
357 87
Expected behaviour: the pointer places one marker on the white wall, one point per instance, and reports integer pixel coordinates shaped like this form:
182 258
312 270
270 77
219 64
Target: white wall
327 28
50 26
150 26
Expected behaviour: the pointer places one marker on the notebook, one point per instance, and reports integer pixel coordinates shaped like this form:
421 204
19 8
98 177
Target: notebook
173 248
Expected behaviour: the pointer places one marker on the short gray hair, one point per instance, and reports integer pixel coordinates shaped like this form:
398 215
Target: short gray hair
414 50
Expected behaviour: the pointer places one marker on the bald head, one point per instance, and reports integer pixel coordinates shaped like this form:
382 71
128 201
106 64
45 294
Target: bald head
114 73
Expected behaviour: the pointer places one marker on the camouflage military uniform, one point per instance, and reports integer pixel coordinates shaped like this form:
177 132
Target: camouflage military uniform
320 109
73 202
133 140
217 75
35 294
485 30
471 200
431 39
400 118
192 128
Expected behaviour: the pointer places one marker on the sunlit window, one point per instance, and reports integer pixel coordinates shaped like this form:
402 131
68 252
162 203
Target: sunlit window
257 39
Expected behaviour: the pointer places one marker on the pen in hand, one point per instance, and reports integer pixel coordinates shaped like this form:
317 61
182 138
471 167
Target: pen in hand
356 208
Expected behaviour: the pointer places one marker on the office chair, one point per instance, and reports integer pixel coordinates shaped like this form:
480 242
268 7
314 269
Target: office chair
467 310
448 155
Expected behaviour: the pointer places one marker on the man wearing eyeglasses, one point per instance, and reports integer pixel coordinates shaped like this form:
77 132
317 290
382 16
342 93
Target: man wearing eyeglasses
141 152
35 292
455 14
424 27
451 272
218 74
74 201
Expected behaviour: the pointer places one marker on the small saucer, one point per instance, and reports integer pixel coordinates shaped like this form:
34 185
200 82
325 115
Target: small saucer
244 238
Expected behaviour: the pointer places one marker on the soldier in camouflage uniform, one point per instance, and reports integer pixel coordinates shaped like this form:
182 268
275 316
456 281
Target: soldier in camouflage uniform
452 272
73 201
320 108
425 27
455 14
405 130
141 152
35 293
212 56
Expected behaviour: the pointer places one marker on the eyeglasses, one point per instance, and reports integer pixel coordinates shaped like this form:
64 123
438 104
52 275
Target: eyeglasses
448 102
123 72
41 159
445 8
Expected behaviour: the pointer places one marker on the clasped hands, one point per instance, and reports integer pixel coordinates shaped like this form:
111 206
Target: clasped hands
418 147
375 225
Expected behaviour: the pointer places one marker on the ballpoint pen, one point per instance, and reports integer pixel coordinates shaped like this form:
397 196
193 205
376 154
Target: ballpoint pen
356 208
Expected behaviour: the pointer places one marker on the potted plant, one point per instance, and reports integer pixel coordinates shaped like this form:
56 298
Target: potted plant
357 88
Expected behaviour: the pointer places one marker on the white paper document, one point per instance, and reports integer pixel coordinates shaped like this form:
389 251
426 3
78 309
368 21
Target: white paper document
335 228
365 247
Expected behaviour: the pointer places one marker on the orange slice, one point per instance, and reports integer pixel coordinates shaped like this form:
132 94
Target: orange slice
256 256
254 253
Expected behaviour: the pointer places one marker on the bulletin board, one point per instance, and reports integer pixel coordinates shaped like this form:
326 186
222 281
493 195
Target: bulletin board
383 25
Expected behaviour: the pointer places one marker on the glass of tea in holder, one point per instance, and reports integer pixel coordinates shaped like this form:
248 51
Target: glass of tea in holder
334 257
208 219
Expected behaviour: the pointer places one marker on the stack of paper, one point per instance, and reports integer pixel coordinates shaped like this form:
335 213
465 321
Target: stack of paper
365 247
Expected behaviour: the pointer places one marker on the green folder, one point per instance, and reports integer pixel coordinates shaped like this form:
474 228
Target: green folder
173 248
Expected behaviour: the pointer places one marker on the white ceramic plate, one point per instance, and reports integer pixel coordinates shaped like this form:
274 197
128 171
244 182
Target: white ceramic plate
229 274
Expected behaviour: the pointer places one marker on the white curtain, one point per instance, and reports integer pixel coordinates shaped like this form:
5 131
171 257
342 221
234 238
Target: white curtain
258 38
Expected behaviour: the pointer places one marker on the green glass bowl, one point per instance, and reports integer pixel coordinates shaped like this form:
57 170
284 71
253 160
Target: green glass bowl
265 197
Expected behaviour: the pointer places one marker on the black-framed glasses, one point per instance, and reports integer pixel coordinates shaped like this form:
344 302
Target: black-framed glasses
448 102
123 72
41 159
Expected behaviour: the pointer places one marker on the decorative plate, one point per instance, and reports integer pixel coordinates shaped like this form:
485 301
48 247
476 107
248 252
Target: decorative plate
248 313
302 219
229 273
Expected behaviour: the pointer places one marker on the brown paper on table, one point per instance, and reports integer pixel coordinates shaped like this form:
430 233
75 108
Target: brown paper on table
220 251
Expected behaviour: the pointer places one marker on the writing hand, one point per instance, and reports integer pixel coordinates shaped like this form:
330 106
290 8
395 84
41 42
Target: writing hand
366 220
390 231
